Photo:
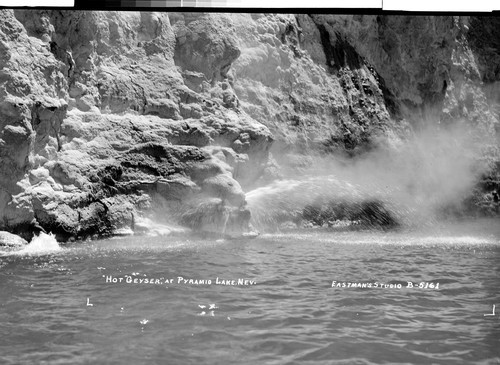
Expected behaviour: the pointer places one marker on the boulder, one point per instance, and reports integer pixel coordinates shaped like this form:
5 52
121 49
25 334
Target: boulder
11 240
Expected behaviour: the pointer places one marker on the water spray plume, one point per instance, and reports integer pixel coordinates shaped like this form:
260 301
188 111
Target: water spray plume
403 182
39 245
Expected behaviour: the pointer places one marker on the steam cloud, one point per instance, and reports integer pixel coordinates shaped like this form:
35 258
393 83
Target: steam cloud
415 178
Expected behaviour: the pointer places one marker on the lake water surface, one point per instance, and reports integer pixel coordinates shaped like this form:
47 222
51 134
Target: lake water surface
89 303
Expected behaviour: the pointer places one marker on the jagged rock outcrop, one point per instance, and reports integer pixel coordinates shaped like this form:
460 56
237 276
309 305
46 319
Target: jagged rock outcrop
107 117
281 79
106 129
33 104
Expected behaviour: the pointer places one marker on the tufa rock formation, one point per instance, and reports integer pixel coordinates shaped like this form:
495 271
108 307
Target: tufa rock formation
107 117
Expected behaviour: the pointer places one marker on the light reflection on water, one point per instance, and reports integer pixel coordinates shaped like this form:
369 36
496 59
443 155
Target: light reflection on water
292 315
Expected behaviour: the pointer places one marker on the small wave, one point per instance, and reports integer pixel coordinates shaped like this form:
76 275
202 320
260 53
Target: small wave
41 244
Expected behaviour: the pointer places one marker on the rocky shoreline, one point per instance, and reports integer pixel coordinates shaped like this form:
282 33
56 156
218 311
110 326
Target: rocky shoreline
110 118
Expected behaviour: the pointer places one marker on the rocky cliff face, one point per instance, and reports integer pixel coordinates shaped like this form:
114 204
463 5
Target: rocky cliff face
107 117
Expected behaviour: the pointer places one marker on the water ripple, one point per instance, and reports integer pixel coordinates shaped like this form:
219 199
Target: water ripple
291 316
